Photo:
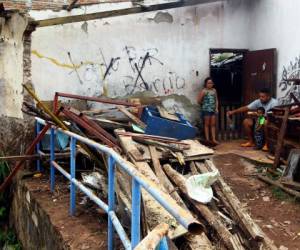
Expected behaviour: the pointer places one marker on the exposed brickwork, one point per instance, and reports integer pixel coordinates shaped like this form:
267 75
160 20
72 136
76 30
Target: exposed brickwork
47 4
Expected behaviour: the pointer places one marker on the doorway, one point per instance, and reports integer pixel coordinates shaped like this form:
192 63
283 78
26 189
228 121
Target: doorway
226 70
239 74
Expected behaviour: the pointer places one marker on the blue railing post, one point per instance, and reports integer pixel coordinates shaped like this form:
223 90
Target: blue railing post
111 200
52 158
163 244
73 172
38 146
136 213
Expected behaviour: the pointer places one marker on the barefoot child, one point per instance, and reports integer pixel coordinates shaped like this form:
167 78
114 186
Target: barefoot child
208 100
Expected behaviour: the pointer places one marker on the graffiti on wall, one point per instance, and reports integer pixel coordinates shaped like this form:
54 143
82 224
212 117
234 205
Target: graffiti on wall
141 67
291 71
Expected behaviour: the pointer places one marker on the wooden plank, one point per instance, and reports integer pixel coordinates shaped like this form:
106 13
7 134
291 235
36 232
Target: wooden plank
132 117
146 136
119 12
196 149
192 240
165 114
278 184
154 211
174 147
157 167
244 218
212 219
290 184
281 138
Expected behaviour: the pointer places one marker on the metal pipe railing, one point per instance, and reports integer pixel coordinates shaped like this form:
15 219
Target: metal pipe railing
138 181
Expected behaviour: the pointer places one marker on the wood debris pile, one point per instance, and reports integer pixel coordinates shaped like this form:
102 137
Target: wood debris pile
168 162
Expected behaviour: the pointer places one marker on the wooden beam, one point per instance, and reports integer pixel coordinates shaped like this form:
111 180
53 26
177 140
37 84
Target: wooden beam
32 157
132 117
225 236
121 12
277 184
71 6
280 138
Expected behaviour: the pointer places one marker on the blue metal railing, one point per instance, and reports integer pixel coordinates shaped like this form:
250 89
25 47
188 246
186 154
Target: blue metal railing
138 181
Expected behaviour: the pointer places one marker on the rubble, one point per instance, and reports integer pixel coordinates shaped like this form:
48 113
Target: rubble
166 161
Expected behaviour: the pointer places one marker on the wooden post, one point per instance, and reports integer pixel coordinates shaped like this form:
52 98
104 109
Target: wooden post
280 137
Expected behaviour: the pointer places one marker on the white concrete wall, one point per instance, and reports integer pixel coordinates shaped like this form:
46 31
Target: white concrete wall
275 24
11 65
177 40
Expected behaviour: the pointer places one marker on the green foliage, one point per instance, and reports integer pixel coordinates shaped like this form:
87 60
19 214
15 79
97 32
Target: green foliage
8 239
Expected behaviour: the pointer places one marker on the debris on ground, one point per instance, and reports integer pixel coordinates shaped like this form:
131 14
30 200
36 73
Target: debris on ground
163 150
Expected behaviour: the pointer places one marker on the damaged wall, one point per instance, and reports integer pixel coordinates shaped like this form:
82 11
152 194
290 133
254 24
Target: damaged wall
164 53
11 65
16 130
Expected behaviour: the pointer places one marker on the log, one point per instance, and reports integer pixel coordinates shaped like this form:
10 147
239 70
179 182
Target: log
277 184
193 242
225 236
196 242
153 238
154 211
163 179
239 213
253 229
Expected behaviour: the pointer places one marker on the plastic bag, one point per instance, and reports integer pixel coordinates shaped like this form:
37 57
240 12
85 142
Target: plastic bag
199 186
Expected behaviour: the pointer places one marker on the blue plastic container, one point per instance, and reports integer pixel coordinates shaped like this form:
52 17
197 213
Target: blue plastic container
157 125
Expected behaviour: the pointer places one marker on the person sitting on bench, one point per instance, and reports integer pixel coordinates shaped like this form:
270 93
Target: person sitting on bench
266 101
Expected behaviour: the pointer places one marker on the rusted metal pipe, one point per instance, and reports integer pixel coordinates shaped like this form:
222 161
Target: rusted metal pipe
89 128
91 98
29 151
154 237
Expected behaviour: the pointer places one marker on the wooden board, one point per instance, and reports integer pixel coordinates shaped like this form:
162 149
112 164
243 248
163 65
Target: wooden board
196 149
165 114
132 117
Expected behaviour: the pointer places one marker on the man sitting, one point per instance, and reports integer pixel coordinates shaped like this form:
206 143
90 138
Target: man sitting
267 102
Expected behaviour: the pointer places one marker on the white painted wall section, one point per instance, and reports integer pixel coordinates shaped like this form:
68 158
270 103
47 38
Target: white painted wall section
165 52
275 24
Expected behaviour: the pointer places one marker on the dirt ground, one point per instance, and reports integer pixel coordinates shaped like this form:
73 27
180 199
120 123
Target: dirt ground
86 230
276 213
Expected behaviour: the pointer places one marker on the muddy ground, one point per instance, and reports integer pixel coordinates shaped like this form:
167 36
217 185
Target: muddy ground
277 213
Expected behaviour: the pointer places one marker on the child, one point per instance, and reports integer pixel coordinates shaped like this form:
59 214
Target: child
259 128
208 100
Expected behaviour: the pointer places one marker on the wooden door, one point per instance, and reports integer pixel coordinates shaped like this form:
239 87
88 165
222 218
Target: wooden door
259 72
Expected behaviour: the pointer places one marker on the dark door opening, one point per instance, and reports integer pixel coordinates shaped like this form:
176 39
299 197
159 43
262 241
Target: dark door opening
226 70
239 74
